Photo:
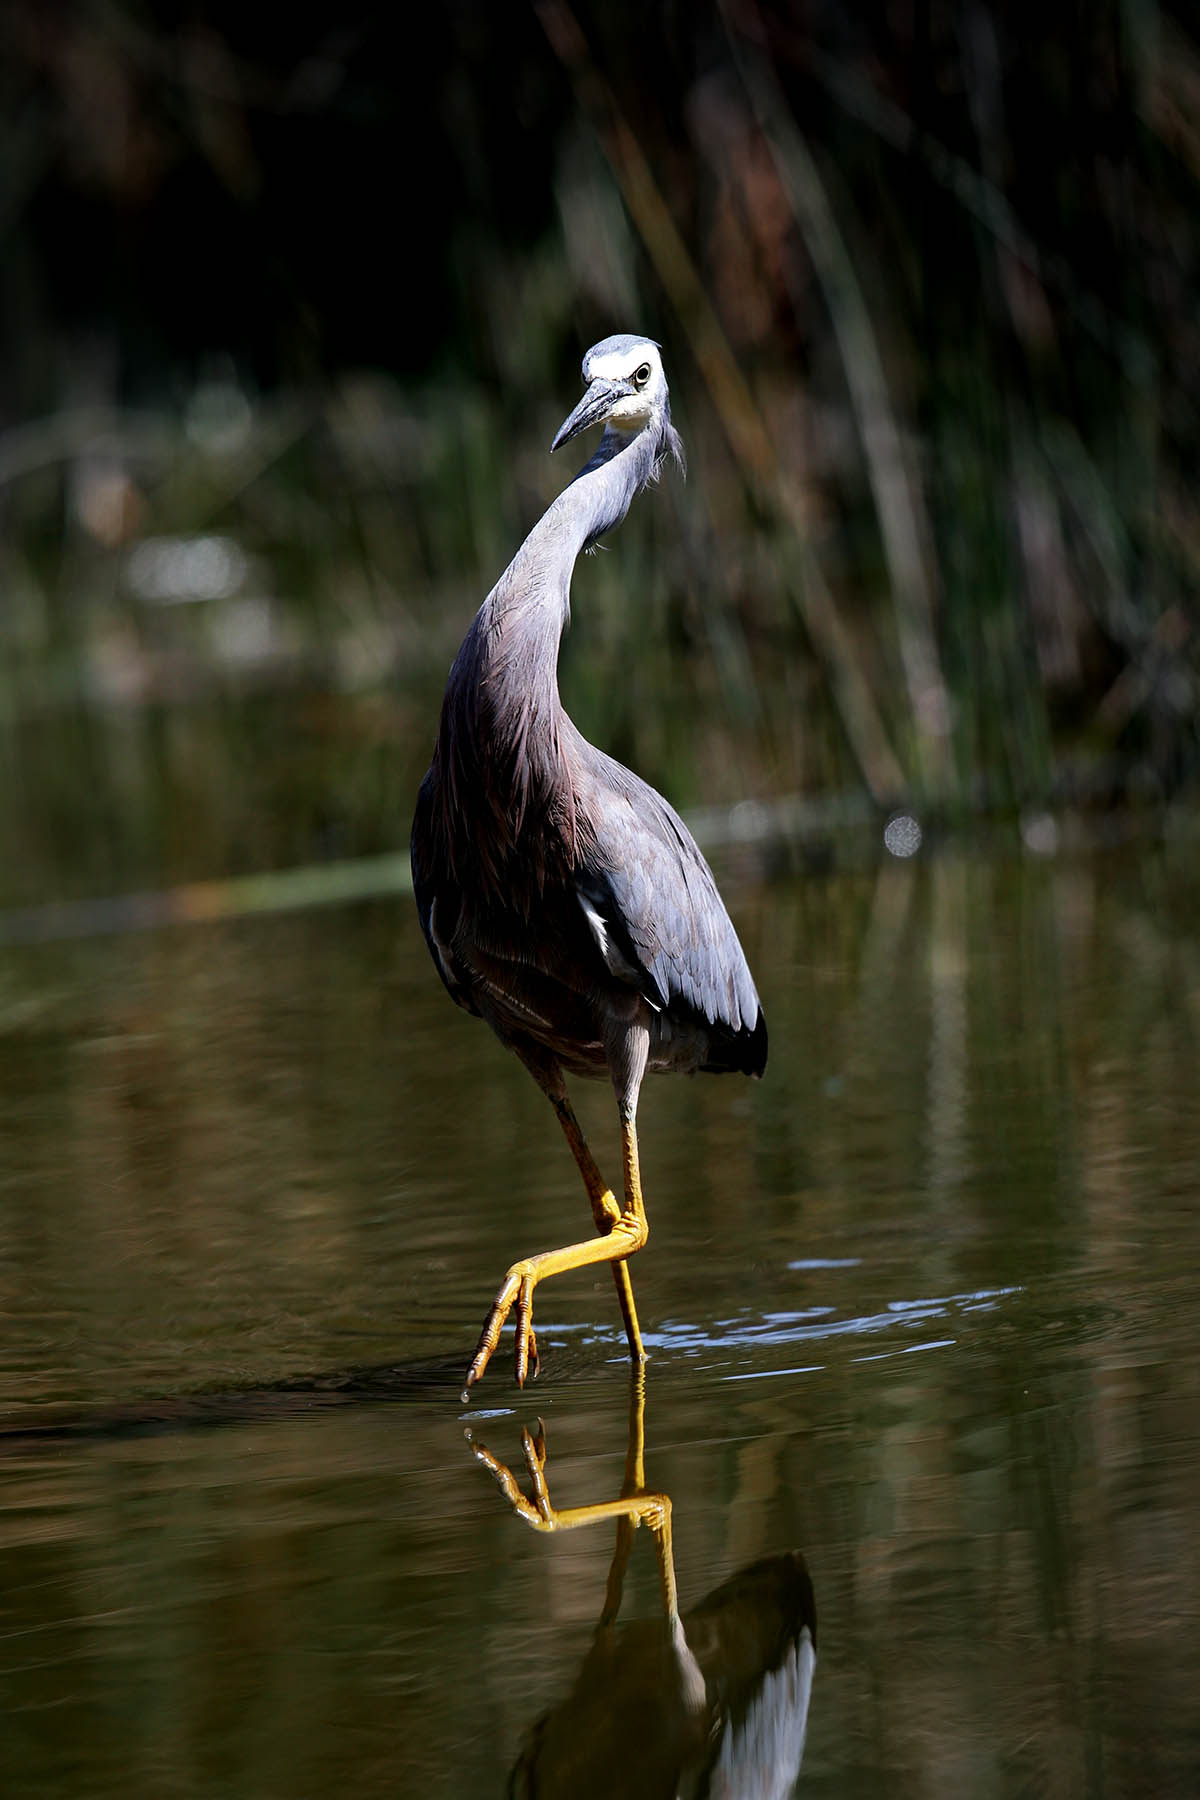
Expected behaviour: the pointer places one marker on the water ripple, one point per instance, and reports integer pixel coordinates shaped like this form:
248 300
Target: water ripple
815 1324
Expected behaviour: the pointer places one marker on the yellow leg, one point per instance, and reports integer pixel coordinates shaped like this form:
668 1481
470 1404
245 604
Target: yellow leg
625 1233
605 1212
633 1177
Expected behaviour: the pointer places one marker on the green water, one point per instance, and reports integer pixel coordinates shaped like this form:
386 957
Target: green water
921 1306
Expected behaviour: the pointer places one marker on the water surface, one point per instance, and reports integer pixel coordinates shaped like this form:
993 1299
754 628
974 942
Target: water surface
921 1306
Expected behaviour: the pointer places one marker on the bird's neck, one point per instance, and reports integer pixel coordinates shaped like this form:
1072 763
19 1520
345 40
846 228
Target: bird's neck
523 618
504 731
600 495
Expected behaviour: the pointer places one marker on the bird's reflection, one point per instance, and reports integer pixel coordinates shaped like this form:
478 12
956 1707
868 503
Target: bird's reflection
709 1702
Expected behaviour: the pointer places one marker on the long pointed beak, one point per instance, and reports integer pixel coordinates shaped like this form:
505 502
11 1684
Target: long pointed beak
596 404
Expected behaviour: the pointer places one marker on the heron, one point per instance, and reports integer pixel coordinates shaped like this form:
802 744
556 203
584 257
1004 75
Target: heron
562 898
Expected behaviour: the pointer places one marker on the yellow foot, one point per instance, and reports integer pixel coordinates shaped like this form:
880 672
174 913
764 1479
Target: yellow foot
627 1234
518 1286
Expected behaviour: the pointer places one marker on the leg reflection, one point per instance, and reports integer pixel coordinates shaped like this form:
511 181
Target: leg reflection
714 1701
634 1507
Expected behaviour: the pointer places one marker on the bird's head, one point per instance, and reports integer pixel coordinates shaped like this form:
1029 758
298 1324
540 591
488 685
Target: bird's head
626 392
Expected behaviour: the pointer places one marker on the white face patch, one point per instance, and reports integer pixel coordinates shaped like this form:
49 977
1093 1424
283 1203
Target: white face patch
621 366
631 412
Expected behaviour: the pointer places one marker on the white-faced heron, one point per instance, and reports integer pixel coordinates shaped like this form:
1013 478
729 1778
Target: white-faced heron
563 900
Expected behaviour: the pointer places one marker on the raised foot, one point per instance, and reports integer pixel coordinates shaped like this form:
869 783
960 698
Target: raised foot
627 1234
518 1287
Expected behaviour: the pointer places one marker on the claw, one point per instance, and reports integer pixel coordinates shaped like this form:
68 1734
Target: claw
489 1337
526 1341
518 1287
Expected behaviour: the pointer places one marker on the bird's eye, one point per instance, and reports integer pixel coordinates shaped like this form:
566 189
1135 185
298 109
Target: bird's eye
641 376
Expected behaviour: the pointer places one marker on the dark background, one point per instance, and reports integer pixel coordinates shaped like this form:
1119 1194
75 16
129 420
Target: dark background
312 287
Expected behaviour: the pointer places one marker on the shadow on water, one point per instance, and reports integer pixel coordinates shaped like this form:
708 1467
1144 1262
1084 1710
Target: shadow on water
428 1380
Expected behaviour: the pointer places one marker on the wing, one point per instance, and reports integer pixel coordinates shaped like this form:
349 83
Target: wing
526 968
437 897
660 923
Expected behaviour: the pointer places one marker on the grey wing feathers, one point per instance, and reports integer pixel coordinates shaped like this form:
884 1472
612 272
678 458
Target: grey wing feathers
646 880
433 925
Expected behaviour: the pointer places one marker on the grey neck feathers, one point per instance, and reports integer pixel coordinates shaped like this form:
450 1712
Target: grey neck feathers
596 501
522 619
502 719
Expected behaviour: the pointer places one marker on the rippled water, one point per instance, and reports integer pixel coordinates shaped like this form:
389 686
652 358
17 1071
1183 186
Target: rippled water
922 1306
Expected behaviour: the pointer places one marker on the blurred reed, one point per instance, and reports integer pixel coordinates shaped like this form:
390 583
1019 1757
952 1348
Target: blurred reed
926 287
